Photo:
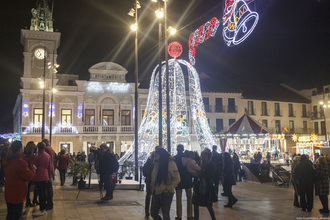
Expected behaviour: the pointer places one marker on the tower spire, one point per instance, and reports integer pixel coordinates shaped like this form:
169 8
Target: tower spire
42 17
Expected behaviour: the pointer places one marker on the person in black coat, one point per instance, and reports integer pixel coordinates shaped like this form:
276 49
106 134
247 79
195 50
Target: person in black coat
304 174
108 165
228 179
147 171
216 160
204 186
185 183
237 167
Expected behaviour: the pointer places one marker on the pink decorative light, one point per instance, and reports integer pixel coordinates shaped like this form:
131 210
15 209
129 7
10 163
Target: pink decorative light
175 49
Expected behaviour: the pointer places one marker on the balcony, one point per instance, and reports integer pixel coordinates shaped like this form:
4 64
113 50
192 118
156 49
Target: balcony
292 113
232 109
86 129
305 115
219 108
278 113
109 129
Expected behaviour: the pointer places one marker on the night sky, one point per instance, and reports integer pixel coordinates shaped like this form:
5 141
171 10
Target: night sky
291 43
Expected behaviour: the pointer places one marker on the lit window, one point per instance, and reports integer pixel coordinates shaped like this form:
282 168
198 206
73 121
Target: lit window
107 117
66 116
125 117
37 116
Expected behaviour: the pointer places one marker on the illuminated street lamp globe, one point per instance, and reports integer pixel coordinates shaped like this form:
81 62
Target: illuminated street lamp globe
175 49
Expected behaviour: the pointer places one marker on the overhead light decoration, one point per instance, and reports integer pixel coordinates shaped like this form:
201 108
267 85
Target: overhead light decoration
238 22
200 35
25 109
175 49
80 110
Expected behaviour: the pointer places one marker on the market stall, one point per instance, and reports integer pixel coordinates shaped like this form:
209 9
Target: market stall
309 145
246 136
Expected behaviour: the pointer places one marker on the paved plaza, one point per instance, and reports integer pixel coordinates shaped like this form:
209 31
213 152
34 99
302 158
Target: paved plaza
255 201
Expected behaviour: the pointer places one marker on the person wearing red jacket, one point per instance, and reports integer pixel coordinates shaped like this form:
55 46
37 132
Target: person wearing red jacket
43 164
63 162
51 152
17 174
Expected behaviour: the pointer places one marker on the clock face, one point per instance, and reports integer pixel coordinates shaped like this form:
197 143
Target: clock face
39 53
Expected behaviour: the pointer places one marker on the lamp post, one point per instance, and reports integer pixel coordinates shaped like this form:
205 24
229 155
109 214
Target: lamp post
168 119
324 106
43 97
134 27
160 14
52 66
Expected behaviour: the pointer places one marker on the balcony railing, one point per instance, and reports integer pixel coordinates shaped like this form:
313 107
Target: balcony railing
86 129
232 109
109 129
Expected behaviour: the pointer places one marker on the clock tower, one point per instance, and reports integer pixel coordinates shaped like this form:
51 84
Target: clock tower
40 42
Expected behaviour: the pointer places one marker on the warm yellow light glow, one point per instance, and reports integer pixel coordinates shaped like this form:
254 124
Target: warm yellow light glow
42 84
321 102
159 13
172 30
134 27
324 106
154 0
54 90
295 138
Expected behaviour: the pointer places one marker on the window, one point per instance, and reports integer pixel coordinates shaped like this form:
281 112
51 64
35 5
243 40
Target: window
250 107
326 90
125 116
278 126
89 116
231 121
218 105
107 117
315 111
37 115
265 123
231 105
291 126
316 127
304 111
277 109
291 110
66 116
206 104
322 128
264 108
305 126
219 124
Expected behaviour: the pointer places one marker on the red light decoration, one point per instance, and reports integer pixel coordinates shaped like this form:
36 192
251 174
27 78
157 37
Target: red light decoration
175 49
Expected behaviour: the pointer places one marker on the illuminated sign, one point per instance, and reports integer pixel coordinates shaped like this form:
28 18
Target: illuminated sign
238 22
80 110
114 87
25 109
51 109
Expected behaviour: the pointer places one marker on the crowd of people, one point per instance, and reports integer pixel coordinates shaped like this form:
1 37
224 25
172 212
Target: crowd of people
307 177
198 176
33 167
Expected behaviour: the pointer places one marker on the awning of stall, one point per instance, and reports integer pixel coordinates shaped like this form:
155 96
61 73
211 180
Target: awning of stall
246 126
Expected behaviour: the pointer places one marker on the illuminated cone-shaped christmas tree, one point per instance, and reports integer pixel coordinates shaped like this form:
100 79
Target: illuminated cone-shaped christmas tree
181 110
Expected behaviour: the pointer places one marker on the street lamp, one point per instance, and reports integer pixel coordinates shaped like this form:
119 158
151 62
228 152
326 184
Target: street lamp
134 27
43 87
53 67
160 14
324 106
